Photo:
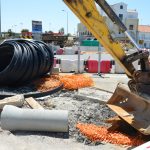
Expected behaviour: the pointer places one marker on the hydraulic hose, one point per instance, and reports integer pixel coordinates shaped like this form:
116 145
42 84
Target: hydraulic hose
22 61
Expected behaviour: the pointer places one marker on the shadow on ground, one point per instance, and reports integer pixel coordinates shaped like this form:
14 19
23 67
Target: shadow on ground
49 134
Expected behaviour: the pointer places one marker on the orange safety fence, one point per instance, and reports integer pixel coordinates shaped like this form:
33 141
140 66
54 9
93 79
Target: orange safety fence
70 82
74 82
47 83
99 133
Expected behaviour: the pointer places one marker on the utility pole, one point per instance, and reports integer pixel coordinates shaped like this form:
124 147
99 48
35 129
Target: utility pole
67 19
99 61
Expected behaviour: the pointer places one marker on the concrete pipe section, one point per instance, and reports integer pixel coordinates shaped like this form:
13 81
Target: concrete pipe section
14 118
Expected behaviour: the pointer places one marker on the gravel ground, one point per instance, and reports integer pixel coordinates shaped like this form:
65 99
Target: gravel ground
80 110
83 111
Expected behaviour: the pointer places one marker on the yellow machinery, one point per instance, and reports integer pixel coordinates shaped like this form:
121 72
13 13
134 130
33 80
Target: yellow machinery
132 105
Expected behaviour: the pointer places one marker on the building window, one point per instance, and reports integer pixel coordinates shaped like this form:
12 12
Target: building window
121 7
121 16
131 27
145 45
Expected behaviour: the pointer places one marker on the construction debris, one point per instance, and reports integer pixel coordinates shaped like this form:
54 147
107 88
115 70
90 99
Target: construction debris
80 110
55 71
113 119
17 100
33 103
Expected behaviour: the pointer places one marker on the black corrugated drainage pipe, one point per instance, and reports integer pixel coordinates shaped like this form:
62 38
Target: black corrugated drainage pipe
22 61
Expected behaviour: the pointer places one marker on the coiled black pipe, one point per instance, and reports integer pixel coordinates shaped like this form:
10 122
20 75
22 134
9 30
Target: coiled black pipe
22 61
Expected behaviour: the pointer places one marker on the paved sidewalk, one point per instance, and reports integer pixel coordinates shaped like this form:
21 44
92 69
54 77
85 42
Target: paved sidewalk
109 82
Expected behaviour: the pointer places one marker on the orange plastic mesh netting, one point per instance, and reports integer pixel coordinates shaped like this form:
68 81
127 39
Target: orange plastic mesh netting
74 82
47 83
99 133
70 82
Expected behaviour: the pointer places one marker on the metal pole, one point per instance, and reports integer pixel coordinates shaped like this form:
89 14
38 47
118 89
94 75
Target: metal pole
67 19
67 23
49 26
79 59
99 59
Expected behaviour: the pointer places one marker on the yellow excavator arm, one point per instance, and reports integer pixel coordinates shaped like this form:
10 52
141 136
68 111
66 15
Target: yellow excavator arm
134 106
88 14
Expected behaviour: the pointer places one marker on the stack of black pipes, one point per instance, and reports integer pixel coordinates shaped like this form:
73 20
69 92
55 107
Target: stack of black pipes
22 61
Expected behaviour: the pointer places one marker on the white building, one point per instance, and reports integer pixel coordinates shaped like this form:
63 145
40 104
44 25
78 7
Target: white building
128 17
83 33
144 36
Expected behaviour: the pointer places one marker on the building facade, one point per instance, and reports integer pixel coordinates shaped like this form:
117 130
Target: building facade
128 17
144 36
83 33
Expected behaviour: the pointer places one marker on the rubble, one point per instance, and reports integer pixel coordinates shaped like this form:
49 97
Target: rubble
33 103
85 111
81 110
17 100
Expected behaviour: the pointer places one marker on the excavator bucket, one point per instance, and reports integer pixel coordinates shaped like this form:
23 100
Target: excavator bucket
133 109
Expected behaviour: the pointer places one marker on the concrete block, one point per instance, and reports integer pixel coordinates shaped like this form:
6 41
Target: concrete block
17 100
82 97
33 103
55 70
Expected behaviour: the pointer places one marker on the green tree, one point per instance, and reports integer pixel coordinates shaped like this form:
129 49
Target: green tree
25 30
10 33
61 30
69 34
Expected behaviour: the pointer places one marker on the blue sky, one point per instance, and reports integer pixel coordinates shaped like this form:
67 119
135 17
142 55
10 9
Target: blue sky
18 14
